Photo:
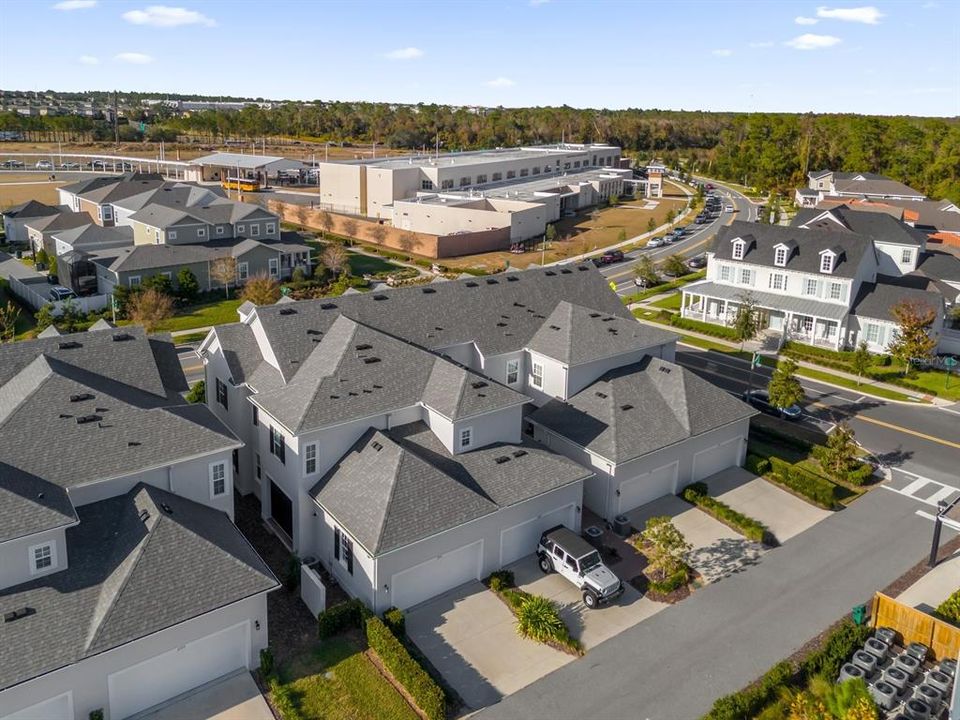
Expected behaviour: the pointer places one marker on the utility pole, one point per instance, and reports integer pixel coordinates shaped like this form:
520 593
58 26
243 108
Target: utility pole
116 126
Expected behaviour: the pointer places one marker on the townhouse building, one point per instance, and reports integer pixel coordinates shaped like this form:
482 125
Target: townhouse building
123 581
396 436
829 183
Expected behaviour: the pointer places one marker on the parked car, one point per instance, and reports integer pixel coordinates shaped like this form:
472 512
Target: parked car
12 164
59 292
44 165
709 186
697 262
562 551
730 208
70 166
611 256
655 242
760 399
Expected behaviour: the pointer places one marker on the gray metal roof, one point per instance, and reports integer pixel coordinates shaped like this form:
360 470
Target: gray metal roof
639 409
574 335
762 239
875 300
399 486
139 563
798 305
246 162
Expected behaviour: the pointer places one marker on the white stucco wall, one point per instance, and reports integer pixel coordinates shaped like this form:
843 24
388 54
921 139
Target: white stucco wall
16 558
890 257
580 376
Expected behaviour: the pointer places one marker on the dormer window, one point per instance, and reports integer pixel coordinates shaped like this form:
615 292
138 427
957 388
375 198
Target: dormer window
780 255
826 261
739 246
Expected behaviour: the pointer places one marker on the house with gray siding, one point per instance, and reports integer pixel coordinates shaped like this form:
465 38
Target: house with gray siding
395 435
123 581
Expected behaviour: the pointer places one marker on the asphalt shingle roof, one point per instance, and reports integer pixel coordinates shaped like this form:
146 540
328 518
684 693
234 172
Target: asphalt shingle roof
399 486
31 209
139 563
641 408
882 227
875 300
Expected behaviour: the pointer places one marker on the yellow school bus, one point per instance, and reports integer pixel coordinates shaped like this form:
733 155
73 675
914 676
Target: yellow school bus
240 184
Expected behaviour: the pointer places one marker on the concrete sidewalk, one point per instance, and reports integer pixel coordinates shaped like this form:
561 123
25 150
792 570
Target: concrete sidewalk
934 587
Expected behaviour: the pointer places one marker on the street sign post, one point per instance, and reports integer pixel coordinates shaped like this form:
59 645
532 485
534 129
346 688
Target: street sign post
950 362
755 362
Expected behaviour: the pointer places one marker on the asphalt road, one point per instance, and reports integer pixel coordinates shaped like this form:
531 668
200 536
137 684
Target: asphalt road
623 273
674 664
191 364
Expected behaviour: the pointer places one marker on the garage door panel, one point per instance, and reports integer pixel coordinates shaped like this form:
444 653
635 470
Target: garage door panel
712 460
177 671
433 577
648 487
56 708
521 540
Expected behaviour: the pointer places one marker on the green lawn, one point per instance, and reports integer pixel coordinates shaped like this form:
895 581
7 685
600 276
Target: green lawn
671 302
337 681
852 384
367 265
933 381
214 312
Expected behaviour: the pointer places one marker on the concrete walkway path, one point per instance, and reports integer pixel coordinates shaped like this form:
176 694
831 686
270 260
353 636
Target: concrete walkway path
934 587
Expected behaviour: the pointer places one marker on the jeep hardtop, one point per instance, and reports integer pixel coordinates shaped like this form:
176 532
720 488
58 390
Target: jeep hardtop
563 551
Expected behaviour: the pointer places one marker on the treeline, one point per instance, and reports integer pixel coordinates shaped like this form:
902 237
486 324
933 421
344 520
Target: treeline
771 151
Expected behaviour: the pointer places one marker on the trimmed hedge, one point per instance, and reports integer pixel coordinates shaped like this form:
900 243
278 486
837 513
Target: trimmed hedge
746 526
425 692
720 331
773 437
394 619
756 464
857 475
663 287
949 609
838 359
672 582
749 702
819 490
836 650
342 616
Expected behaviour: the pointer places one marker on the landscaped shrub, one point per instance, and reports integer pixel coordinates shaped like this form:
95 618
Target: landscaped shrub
749 702
266 662
425 692
672 582
820 490
500 580
860 475
393 618
746 526
340 617
700 488
539 619
721 331
96 714
291 579
836 650
757 465
198 393
949 609
283 700
514 597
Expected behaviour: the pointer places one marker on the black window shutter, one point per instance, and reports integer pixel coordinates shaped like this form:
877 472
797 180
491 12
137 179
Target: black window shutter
283 449
350 556
336 543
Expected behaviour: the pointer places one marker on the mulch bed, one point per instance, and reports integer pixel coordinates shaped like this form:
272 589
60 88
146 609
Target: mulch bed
641 583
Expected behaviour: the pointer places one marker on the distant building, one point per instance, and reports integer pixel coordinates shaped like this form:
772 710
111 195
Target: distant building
827 183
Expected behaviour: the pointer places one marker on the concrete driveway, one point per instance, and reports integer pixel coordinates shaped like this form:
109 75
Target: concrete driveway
785 514
235 697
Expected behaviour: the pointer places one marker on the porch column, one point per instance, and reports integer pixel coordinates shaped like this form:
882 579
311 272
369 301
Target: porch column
703 311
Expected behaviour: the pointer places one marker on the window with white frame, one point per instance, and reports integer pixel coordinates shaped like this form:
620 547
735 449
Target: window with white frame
464 181
537 375
726 273
872 333
906 257
426 184
738 248
466 438
836 291
778 281
42 557
524 172
278 448
219 229
343 549
446 185
536 169
826 262
309 458
171 234
201 232
271 228
218 479
481 179
133 280
810 287
746 276
254 230
243 270
274 265
168 274
780 256
241 228
513 371
511 174
222 396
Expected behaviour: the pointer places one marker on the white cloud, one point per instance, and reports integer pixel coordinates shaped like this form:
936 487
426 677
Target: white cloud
723 52
809 41
868 14
801 20
75 4
762 44
407 53
133 58
500 82
166 17
89 60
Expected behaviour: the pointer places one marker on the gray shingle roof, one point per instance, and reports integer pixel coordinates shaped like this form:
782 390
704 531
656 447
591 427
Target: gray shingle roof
128 577
29 504
640 408
797 304
62 221
875 300
940 265
399 486
806 258
882 227
574 335
875 185
85 235
31 209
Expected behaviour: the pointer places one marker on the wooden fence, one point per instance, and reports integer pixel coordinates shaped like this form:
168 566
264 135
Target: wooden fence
914 625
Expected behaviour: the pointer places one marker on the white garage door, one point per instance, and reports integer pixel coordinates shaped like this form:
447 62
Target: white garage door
648 487
58 708
521 540
424 581
713 460
177 671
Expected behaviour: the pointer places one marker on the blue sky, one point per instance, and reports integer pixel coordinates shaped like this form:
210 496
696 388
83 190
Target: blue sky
888 58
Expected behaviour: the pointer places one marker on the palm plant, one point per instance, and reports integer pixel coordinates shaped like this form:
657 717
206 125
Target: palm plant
538 619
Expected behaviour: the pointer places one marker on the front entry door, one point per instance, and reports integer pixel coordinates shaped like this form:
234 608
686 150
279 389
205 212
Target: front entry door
281 509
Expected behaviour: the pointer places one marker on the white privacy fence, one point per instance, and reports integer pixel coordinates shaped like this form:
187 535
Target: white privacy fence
36 293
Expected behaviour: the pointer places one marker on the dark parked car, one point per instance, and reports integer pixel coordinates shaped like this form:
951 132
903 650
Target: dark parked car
760 399
697 262
611 256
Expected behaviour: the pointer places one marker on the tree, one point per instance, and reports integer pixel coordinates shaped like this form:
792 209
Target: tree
198 393
261 289
784 388
326 223
674 265
150 308
646 271
551 233
335 258
745 322
70 316
42 258
666 548
671 215
622 235
379 233
861 360
651 225
158 282
319 271
224 271
187 285
9 314
350 227
408 242
44 317
912 341
840 451
614 200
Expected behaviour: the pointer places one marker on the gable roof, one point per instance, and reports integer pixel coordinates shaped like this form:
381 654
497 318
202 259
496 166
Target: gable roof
396 487
641 408
876 300
939 265
882 227
94 234
61 221
872 185
574 334
31 209
139 563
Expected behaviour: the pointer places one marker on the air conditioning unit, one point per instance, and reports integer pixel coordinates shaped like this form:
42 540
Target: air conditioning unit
915 709
939 680
865 661
877 648
929 694
948 667
849 671
884 694
886 634
918 650
907 663
896 677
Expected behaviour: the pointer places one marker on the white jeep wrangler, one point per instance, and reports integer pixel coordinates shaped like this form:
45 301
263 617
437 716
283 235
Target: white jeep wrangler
562 550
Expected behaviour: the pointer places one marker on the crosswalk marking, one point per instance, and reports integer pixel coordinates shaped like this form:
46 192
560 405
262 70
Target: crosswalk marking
914 486
941 494
936 491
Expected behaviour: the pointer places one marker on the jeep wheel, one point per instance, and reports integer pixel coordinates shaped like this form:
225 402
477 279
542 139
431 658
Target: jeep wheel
546 565
589 599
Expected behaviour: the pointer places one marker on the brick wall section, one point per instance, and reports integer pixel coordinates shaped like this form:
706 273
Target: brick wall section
369 231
